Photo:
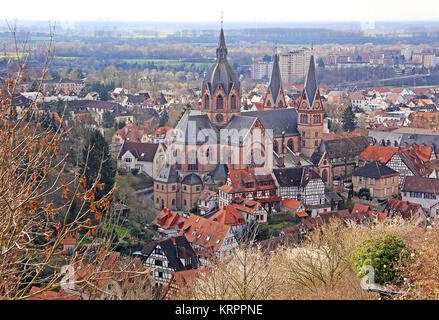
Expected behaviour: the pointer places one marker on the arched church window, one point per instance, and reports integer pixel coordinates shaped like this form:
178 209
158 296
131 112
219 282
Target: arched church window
219 102
275 146
206 102
324 175
281 104
269 103
290 144
233 102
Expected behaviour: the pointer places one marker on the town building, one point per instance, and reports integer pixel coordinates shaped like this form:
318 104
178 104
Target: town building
381 180
168 256
424 191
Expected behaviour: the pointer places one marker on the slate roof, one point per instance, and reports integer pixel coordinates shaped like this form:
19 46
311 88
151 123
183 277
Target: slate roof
275 83
142 151
311 86
175 248
278 120
167 174
352 146
219 174
420 184
194 128
191 179
374 170
294 177
239 126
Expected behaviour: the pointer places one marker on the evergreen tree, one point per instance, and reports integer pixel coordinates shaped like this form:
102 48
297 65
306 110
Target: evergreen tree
108 119
164 119
349 120
99 152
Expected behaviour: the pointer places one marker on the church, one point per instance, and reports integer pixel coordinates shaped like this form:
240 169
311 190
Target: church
219 137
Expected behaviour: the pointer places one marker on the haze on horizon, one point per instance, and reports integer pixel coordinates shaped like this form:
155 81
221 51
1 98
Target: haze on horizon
234 11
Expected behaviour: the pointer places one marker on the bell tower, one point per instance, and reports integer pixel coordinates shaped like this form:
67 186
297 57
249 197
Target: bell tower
221 88
310 113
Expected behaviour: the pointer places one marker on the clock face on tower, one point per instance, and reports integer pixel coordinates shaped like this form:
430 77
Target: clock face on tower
219 118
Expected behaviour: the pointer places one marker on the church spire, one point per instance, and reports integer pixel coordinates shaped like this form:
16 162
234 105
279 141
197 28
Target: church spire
275 79
221 50
311 86
274 97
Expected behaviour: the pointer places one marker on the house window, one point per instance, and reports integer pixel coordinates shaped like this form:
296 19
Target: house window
160 274
158 251
128 160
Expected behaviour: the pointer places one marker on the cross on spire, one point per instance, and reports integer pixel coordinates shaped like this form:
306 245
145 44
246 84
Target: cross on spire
222 18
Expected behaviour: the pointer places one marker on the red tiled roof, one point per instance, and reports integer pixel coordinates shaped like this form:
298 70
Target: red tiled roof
168 219
291 203
51 295
302 214
245 205
360 208
204 232
378 153
228 215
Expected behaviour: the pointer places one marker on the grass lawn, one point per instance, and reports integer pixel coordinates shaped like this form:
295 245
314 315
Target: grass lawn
279 221
121 232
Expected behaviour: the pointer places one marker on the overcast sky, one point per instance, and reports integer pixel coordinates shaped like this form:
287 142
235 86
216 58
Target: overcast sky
210 10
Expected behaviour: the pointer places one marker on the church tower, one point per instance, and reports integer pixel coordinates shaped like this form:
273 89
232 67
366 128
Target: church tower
275 98
221 89
310 113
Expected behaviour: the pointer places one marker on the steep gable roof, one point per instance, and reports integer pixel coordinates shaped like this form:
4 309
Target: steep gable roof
311 87
228 215
204 232
142 151
275 83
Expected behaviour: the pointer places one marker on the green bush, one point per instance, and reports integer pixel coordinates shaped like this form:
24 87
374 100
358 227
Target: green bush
383 253
135 171
364 192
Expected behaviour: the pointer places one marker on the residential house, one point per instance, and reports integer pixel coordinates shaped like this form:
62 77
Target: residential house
137 155
250 210
406 210
130 132
246 183
302 184
229 215
381 180
210 239
292 206
424 191
168 224
168 256
207 201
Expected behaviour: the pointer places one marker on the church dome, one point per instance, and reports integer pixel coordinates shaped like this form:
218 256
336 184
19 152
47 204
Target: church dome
221 72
